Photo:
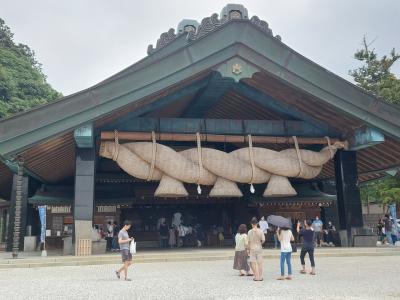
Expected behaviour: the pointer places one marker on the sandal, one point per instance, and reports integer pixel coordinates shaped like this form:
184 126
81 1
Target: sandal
288 278
241 274
312 273
280 278
303 272
255 279
128 279
116 273
250 275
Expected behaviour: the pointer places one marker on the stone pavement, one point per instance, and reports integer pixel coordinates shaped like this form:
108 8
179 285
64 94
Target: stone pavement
337 278
33 260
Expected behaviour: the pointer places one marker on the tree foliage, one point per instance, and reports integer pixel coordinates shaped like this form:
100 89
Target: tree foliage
22 82
385 190
375 75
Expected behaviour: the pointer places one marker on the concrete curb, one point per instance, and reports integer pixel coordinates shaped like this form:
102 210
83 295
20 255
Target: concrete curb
157 258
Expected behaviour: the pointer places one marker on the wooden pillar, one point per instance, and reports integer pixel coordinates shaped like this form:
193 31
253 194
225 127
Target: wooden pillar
84 192
18 211
348 195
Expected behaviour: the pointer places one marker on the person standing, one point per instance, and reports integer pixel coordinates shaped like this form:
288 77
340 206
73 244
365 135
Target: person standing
241 252
380 229
317 226
264 226
221 238
285 236
256 239
115 246
163 230
200 236
308 246
124 240
331 232
273 231
109 235
172 237
388 229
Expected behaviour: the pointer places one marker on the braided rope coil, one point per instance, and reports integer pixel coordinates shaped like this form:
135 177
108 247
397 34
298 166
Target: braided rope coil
205 166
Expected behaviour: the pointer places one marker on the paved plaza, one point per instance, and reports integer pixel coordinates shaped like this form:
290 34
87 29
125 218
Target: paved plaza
337 278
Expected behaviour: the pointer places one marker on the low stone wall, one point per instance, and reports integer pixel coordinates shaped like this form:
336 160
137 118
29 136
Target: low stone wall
99 247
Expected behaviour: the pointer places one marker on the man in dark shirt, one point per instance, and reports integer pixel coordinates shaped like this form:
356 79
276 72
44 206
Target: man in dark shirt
308 246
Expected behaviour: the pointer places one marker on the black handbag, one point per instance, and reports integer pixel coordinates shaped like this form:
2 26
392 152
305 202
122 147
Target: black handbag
294 246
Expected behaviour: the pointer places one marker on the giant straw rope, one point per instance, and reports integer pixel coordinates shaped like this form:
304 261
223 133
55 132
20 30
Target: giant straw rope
206 166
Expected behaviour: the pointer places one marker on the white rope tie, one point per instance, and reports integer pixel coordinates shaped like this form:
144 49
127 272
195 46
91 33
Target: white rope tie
200 162
253 167
153 156
116 143
296 144
329 146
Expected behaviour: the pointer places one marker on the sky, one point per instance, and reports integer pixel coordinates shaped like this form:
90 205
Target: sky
82 42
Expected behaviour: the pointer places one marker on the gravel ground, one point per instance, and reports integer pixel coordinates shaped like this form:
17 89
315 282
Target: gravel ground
337 278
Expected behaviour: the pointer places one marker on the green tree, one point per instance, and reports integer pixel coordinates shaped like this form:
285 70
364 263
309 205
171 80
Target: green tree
22 82
375 75
382 191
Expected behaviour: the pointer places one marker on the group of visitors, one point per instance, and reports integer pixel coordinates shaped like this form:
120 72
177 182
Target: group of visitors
176 237
180 234
324 235
110 234
248 249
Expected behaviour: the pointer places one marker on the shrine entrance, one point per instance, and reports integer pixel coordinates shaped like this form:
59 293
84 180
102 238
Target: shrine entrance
207 218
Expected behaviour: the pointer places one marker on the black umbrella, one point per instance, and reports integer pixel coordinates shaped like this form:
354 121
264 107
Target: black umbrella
279 221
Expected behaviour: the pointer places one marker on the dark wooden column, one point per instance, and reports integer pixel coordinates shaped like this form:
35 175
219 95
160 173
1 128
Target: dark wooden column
18 212
84 192
348 195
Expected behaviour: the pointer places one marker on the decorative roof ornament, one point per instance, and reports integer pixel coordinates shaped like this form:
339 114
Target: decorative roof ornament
233 11
193 30
189 27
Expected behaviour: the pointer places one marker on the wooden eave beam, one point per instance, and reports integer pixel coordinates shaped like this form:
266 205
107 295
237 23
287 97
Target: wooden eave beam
221 138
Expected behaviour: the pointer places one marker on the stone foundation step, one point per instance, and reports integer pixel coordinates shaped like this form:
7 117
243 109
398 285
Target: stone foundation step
177 256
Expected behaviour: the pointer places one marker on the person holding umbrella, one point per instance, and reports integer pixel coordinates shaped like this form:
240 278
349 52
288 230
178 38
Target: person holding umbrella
285 236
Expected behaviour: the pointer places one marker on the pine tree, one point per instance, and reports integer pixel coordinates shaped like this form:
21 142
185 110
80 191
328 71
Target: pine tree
375 75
